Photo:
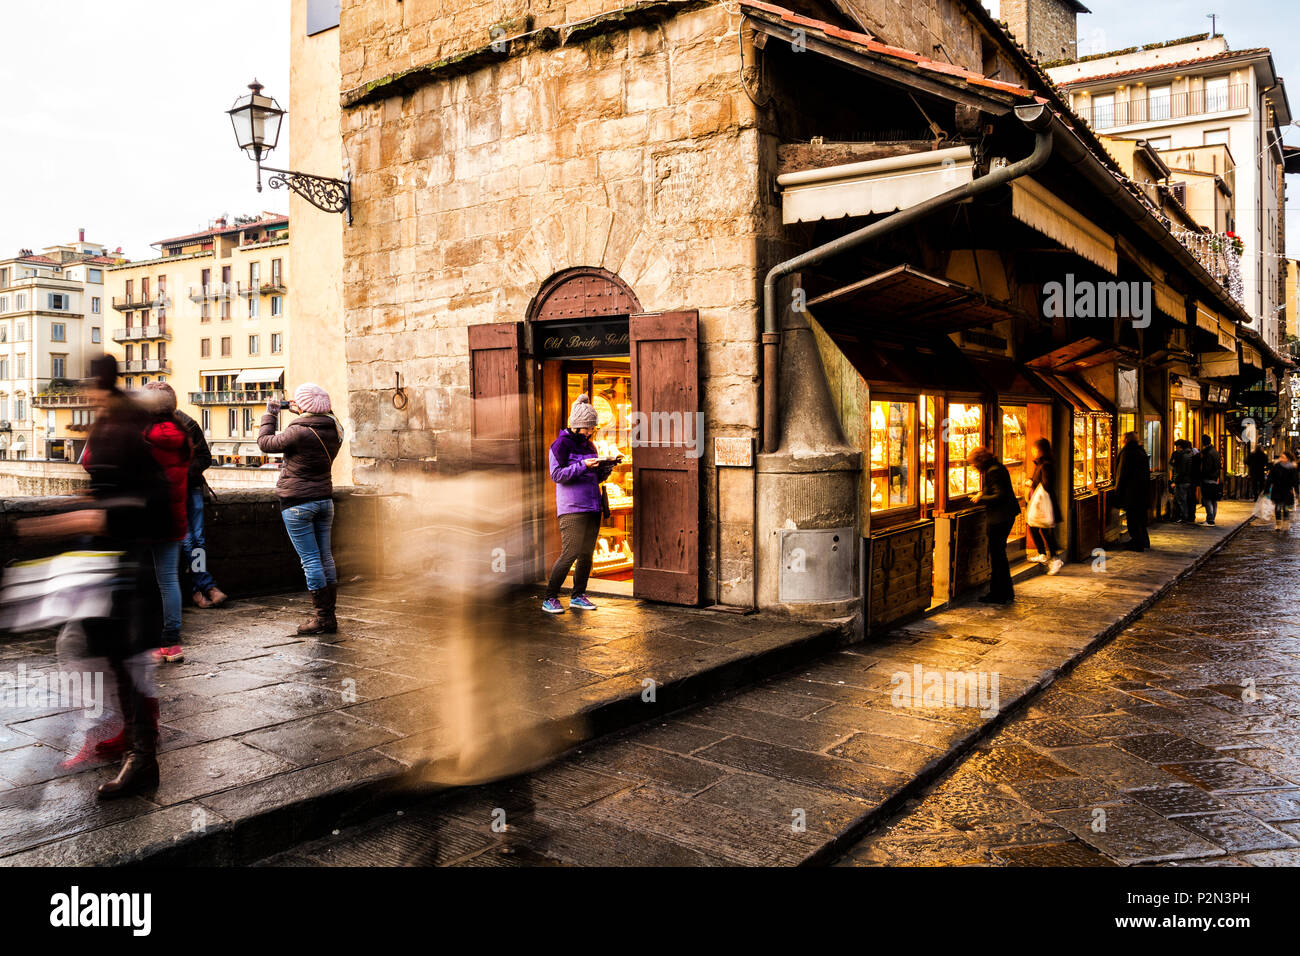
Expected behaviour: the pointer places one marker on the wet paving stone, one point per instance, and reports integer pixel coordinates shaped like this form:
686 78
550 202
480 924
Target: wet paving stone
1165 748
1073 853
1013 763
1238 832
1227 776
1132 834
1173 801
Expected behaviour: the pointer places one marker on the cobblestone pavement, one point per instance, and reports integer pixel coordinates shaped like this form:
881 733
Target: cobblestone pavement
779 773
257 717
1177 744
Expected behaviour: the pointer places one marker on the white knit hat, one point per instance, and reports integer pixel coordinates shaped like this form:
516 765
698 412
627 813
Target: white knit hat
583 413
311 398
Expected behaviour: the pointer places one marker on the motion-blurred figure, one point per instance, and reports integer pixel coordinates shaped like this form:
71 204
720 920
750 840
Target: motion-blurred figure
125 515
194 550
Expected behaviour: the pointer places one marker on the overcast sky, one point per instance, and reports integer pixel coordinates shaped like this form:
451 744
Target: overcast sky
119 126
113 117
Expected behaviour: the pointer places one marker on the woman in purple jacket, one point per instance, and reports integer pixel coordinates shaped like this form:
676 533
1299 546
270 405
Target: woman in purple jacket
577 471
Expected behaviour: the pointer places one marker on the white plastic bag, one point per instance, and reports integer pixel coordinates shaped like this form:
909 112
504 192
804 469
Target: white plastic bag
1040 513
1264 508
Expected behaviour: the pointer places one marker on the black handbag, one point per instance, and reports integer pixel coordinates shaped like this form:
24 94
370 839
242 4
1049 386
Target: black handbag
604 503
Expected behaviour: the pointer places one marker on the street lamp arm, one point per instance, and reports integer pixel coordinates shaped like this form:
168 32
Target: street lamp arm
323 192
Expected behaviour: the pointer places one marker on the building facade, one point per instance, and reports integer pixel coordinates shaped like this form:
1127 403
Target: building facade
793 325
1215 112
210 317
53 310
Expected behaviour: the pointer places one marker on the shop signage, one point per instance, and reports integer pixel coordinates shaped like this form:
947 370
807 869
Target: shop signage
581 339
1190 390
733 452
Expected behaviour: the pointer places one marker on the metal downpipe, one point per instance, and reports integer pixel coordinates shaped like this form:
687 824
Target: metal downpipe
1037 117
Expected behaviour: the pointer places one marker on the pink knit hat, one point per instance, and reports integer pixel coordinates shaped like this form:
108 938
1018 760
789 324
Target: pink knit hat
311 399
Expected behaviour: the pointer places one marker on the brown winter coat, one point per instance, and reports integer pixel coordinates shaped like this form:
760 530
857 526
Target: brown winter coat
309 445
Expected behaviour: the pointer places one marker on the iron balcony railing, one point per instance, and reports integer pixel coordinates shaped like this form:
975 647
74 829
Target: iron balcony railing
1156 109
128 303
144 365
62 400
220 290
140 332
247 397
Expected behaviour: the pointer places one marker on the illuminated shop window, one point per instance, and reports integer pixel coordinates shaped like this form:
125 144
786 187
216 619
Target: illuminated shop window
893 436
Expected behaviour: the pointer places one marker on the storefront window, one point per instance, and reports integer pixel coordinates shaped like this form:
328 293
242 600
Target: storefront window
928 450
1015 453
1152 439
1104 443
1180 419
965 434
1093 451
893 433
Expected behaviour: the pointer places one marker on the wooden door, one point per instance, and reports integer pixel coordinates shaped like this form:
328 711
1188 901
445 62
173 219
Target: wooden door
496 369
666 477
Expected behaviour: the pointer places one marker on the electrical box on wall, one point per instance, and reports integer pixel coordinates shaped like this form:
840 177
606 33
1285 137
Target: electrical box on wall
818 565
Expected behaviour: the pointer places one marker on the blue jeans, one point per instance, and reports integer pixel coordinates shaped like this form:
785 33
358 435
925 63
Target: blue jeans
309 529
1184 503
194 541
167 569
1210 498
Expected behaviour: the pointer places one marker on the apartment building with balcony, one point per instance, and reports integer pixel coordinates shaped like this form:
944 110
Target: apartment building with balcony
53 316
209 316
1216 116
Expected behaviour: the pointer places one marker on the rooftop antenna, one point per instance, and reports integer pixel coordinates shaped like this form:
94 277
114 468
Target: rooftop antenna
1214 22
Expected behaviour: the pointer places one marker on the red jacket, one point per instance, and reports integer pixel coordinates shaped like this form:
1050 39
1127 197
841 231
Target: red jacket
171 448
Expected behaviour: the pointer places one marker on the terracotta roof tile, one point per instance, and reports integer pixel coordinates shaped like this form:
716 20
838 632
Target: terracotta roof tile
1171 65
885 49
223 230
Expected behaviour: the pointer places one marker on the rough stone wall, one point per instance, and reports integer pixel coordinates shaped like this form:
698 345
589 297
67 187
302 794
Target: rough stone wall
924 25
635 150
1046 28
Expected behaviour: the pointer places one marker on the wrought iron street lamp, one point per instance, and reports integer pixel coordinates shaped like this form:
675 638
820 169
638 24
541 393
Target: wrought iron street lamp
256 119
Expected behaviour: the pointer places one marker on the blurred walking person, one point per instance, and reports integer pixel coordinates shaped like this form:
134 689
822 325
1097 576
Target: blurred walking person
1257 469
1001 508
194 550
1211 490
1283 480
1133 488
126 513
306 491
1044 535
171 448
1181 477
577 471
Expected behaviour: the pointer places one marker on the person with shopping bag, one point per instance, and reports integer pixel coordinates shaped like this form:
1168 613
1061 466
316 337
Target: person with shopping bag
1042 514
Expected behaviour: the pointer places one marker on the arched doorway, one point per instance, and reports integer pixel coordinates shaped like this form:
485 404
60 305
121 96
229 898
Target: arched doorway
585 332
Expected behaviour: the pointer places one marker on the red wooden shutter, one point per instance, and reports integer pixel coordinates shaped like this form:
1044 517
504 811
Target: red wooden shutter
666 480
496 371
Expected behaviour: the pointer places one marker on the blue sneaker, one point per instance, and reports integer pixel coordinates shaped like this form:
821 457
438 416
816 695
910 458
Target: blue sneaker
581 602
552 606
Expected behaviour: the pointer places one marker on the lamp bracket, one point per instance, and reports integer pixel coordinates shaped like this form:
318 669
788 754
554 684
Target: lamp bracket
323 192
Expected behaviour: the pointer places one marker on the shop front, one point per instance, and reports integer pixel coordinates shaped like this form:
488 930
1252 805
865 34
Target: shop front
586 334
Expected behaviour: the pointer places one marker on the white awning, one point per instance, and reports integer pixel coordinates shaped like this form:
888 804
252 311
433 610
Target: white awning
217 373
222 448
877 185
1036 206
259 375
247 449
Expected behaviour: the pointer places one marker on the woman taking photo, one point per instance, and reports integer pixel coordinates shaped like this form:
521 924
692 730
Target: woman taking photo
306 493
1044 535
577 470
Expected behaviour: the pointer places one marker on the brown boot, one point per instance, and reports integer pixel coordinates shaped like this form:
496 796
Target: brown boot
139 774
322 622
333 621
